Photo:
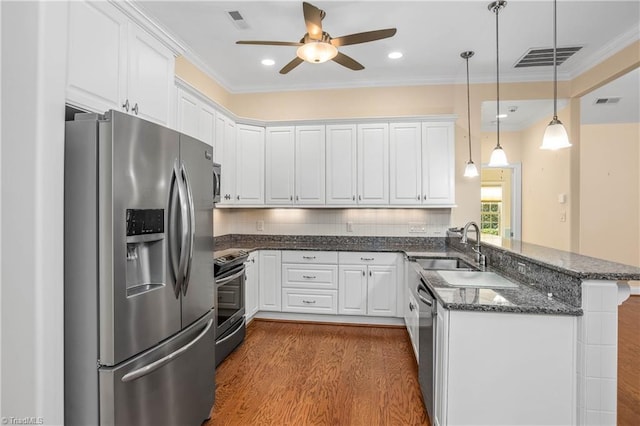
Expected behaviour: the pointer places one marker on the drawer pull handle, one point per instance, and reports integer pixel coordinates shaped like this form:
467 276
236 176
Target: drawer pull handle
309 257
309 302
309 277
367 258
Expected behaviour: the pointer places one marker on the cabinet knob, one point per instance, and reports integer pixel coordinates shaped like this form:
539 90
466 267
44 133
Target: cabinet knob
370 273
125 105
360 197
363 274
418 197
354 198
135 109
297 198
238 197
411 307
424 197
290 197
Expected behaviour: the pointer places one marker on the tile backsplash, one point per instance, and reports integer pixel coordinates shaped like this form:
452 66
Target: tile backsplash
356 222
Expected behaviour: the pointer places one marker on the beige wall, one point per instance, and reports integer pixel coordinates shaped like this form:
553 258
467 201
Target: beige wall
610 201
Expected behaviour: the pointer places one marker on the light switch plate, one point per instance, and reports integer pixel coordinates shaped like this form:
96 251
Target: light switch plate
260 225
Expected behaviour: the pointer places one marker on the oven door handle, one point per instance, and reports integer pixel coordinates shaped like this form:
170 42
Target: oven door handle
225 280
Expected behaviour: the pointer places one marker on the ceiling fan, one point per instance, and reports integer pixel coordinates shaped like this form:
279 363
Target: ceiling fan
317 46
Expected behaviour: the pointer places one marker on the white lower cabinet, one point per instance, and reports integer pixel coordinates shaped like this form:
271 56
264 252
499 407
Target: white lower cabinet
368 283
310 282
504 369
270 280
251 285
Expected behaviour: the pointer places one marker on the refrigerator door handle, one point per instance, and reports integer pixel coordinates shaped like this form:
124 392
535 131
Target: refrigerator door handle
184 231
173 248
150 368
191 230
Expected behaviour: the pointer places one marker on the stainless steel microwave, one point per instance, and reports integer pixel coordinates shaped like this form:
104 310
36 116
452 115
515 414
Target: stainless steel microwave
216 182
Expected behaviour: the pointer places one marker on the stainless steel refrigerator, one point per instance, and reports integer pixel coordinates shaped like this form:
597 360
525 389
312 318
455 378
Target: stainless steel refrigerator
139 284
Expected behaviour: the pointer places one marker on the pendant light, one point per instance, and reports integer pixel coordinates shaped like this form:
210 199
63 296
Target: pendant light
555 136
470 170
498 157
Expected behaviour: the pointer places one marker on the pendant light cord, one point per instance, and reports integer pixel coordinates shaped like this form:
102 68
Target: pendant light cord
468 108
497 9
555 65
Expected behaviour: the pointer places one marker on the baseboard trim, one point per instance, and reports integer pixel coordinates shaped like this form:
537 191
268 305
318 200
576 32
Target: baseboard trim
359 321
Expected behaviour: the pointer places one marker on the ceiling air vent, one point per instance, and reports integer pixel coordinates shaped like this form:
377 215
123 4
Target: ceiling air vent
607 101
544 57
237 19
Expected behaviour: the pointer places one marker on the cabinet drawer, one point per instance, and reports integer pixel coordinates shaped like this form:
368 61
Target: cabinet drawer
367 258
308 276
304 256
310 301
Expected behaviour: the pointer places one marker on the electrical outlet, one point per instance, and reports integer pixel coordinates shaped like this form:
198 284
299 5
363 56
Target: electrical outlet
522 268
349 226
417 228
260 225
563 217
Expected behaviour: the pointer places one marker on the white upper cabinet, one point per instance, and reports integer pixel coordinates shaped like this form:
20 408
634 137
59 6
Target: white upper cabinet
97 56
279 165
114 64
249 165
294 165
342 165
373 164
195 117
438 163
225 154
405 166
151 74
310 165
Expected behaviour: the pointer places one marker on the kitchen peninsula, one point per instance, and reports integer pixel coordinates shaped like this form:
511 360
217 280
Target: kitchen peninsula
581 291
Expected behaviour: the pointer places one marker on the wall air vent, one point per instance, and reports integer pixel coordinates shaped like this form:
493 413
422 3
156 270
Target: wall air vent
237 19
607 101
544 57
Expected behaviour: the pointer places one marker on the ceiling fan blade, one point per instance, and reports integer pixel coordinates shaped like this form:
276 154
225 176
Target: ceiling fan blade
291 65
347 61
269 43
363 37
313 20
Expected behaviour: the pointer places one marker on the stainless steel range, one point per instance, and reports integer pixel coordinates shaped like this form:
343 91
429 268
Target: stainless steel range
229 270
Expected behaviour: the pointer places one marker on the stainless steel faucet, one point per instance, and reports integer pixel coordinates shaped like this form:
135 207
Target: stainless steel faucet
480 258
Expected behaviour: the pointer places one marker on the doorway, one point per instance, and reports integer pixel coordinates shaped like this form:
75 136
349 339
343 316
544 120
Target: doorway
501 202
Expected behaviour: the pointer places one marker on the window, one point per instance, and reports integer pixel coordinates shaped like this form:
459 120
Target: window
490 217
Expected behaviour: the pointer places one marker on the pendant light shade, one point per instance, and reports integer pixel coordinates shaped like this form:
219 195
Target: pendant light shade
498 156
555 137
470 170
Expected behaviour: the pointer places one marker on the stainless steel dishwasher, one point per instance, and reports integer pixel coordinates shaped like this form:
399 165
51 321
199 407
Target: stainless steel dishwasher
426 345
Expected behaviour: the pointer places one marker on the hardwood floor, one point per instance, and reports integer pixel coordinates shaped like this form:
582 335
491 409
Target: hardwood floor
319 374
629 362
303 374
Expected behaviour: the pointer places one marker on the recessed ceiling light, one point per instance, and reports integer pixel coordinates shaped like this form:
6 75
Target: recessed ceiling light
268 62
395 55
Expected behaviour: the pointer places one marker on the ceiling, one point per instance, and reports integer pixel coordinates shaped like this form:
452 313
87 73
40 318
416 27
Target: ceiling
431 35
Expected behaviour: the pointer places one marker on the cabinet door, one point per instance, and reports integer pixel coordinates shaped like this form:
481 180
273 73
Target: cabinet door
270 280
405 163
352 290
381 291
151 77
279 165
207 125
250 165
188 113
438 163
96 61
373 164
251 285
310 168
225 142
341 168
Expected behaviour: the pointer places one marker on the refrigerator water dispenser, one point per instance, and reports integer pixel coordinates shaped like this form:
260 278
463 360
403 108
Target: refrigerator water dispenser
145 250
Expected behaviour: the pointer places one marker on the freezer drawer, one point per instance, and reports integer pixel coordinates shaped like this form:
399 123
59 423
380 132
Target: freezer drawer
180 391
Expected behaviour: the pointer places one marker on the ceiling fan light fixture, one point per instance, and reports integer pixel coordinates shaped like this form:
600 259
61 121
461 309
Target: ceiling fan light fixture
317 52
268 62
395 55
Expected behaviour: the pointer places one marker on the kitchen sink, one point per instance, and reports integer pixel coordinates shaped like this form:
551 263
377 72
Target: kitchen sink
476 279
440 264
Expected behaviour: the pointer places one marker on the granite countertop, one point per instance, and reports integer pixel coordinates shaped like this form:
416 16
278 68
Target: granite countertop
573 264
524 299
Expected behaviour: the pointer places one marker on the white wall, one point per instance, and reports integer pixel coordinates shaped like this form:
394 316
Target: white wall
369 222
32 105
